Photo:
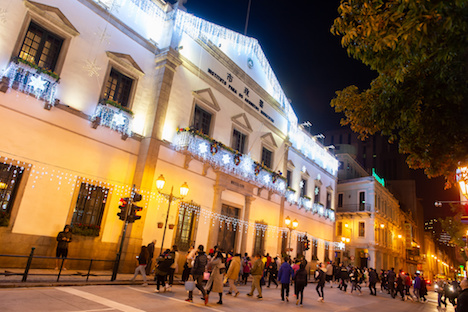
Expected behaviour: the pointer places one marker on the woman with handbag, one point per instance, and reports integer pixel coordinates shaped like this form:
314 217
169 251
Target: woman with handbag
215 282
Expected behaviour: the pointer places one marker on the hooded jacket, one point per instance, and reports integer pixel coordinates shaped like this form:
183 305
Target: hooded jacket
234 268
285 273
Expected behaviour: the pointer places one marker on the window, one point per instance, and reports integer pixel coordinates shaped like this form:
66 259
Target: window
238 141
362 229
339 228
362 201
314 250
300 245
41 47
10 176
227 233
89 208
327 252
186 225
267 156
259 244
303 187
288 177
340 200
202 120
317 194
329 197
118 88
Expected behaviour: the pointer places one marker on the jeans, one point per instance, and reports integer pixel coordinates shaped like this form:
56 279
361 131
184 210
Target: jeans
284 289
141 268
319 290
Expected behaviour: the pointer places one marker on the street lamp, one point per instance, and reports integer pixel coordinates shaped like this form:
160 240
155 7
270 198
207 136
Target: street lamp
291 227
170 197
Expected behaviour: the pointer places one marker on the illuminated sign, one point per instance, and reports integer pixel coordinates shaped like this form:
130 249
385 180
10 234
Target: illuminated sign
377 178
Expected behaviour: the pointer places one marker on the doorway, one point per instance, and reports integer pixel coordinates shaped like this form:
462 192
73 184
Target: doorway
227 232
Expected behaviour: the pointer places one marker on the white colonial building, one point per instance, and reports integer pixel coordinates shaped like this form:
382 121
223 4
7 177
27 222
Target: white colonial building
101 97
369 220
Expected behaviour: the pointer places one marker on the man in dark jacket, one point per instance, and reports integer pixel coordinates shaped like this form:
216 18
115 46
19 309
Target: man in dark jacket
63 239
257 273
344 276
284 277
462 300
373 278
391 276
150 249
197 271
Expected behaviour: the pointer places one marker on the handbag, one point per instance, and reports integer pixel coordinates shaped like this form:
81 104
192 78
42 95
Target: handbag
206 276
189 285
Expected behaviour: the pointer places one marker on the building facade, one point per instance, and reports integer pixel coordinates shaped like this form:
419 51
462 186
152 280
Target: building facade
100 98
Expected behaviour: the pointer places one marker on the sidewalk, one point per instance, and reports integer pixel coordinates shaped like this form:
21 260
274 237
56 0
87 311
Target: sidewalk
48 277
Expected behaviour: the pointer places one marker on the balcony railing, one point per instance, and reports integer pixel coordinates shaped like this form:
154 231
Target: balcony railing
355 208
30 79
112 117
229 160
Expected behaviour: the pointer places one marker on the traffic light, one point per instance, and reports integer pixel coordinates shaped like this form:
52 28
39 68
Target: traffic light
132 217
123 206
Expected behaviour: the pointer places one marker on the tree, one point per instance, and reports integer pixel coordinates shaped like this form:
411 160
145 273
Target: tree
420 98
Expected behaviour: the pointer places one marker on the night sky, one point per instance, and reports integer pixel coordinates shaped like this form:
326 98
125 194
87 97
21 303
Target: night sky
309 62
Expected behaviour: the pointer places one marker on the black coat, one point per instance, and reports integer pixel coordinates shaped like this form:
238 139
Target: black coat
462 301
373 278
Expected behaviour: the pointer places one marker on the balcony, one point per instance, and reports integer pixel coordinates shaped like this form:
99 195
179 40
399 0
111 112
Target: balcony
355 208
112 115
28 78
229 160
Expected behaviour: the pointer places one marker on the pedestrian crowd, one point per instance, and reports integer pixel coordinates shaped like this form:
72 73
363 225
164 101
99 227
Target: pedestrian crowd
209 272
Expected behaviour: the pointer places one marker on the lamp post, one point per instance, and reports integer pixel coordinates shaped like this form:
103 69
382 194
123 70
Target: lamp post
291 227
170 197
462 179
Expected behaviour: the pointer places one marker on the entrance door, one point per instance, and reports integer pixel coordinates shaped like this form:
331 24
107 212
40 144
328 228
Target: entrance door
227 233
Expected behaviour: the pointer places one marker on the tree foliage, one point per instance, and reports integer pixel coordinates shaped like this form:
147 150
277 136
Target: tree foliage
420 97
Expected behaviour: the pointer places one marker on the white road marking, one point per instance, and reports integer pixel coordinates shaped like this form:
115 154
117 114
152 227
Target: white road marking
100 300
175 299
95 310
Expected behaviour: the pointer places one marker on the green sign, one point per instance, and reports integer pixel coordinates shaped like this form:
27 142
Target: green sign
377 178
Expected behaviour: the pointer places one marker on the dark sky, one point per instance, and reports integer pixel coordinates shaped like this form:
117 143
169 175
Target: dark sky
308 61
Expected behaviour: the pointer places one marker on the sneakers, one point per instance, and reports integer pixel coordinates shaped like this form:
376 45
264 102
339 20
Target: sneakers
144 284
189 300
237 293
259 297
229 293
319 299
219 302
156 291
249 294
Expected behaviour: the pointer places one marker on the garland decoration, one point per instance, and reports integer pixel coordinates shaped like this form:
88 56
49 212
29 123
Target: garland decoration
214 148
237 159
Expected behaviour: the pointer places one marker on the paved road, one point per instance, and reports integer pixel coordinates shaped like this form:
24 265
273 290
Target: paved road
136 298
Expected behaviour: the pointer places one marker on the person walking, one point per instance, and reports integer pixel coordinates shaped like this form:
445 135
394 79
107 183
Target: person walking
373 279
439 288
391 277
355 277
257 273
423 290
163 267
215 282
142 262
174 253
416 286
344 276
273 273
383 281
63 238
189 258
197 271
407 287
329 276
320 277
284 277
462 300
247 266
233 273
300 282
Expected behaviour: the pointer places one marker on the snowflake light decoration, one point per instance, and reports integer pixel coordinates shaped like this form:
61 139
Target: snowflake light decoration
92 68
203 148
37 83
